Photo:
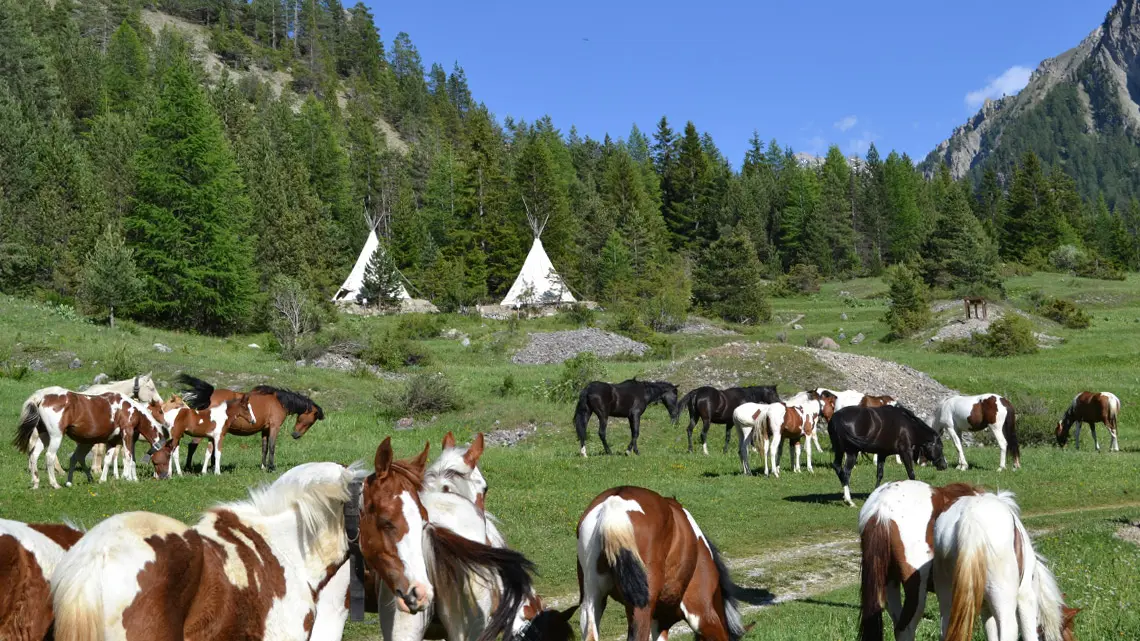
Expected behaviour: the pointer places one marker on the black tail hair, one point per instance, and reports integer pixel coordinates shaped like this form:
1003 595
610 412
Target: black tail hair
29 423
456 558
1009 430
631 578
728 592
686 402
197 391
582 416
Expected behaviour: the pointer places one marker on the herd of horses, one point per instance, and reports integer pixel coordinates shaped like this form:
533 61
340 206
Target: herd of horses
432 562
857 423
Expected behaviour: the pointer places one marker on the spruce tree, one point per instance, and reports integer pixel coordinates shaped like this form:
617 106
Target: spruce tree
837 212
908 310
727 280
189 221
959 255
615 274
382 283
124 77
110 279
904 218
1028 212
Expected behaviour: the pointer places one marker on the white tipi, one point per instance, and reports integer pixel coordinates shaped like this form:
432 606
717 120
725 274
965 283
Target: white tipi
352 285
537 282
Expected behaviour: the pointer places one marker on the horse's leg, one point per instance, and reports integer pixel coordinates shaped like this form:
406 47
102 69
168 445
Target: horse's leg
810 469
744 447
962 464
852 457
1096 441
174 460
52 458
97 457
908 463
38 447
595 593
796 462
603 421
272 448
78 457
1077 435
707 624
264 447
689 430
879 470
634 430
640 622
190 452
773 449
1002 445
727 436
111 460
914 589
705 434
1115 447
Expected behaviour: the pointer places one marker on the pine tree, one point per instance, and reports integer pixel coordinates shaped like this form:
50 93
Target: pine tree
871 201
110 279
190 215
125 71
837 211
989 202
727 280
959 255
908 310
24 62
1029 214
615 274
686 205
904 218
382 282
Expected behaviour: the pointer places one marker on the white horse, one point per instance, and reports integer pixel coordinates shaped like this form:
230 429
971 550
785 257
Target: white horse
984 563
248 569
746 420
790 420
974 413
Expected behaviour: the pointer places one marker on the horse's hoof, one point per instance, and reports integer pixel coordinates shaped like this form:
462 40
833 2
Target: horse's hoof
68 484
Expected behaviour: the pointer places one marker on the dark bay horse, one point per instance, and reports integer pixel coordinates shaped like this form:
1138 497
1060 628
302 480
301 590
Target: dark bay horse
626 399
648 553
716 406
891 429
270 407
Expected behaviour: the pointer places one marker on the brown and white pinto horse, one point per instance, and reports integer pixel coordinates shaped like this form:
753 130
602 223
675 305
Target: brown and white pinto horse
794 422
29 553
110 418
213 424
141 388
422 565
248 570
974 413
270 406
648 553
1091 408
896 532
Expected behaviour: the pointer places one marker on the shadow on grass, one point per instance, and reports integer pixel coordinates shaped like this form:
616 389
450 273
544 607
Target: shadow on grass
825 498
830 604
754 596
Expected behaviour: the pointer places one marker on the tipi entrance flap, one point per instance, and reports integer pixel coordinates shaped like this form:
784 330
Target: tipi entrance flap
537 283
352 285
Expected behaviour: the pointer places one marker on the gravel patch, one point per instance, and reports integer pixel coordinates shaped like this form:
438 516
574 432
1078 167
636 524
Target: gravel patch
510 437
698 325
870 375
1130 533
343 363
556 347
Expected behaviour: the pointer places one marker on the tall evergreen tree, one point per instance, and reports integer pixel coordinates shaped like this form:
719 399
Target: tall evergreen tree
727 280
959 255
905 223
125 69
1029 216
838 212
190 215
110 279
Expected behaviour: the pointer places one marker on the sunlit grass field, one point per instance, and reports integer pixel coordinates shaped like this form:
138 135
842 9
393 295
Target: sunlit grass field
1074 501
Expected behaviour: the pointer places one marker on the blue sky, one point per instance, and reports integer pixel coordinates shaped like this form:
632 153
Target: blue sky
901 74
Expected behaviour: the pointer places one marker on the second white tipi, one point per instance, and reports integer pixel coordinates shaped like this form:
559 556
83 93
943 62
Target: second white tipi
350 289
537 283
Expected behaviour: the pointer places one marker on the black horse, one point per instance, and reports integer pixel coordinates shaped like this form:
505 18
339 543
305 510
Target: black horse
885 430
626 399
715 406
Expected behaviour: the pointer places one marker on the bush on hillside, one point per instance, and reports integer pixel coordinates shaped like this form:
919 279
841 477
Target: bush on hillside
577 373
1067 258
420 326
122 364
627 322
1065 312
579 315
1100 269
422 394
803 279
1010 335
390 352
1035 423
909 310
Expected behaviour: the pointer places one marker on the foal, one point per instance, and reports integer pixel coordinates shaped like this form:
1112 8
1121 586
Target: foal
1091 408
794 422
212 424
648 553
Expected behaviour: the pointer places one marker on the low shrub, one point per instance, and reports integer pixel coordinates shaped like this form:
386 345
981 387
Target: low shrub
1065 312
751 307
422 394
909 309
579 315
1100 269
12 370
391 353
627 322
665 312
1067 258
1010 335
1035 423
509 387
122 364
803 279
1015 269
420 326
577 373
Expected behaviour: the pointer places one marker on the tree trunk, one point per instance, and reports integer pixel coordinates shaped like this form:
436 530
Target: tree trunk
112 317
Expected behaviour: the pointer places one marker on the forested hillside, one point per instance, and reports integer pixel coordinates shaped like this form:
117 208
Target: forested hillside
255 158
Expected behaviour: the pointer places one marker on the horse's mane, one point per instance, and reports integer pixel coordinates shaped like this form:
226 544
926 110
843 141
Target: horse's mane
914 419
293 402
316 491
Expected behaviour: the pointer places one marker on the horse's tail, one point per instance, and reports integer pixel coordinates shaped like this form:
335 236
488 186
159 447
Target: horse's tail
1050 601
456 559
1113 406
1009 431
728 589
582 415
875 540
619 546
968 578
29 423
77 599
686 402
198 391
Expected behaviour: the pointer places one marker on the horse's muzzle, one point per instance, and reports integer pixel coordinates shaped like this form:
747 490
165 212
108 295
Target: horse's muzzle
296 435
415 600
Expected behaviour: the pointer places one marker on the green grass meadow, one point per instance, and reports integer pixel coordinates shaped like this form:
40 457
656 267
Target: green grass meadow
776 533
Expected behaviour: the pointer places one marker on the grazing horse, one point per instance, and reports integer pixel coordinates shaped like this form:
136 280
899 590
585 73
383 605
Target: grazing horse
270 407
748 419
248 570
794 422
973 413
52 412
212 423
984 563
29 553
895 526
141 388
1091 408
891 429
455 575
715 406
629 399
648 553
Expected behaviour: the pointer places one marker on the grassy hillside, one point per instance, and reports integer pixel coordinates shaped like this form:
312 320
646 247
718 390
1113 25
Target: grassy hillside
789 539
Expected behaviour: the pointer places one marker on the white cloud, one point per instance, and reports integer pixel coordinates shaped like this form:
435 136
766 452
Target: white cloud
1011 81
860 145
846 123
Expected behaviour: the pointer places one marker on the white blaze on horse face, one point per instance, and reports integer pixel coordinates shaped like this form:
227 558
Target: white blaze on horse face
410 550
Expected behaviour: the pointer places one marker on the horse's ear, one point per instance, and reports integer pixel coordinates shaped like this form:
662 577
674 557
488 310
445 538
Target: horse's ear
568 612
383 461
471 458
420 462
448 440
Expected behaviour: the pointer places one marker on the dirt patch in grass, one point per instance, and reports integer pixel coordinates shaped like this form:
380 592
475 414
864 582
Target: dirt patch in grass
1129 532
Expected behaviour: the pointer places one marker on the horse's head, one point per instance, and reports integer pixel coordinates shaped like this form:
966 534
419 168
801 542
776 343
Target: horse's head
549 625
239 408
174 403
160 459
669 397
147 390
458 473
147 421
826 405
306 419
392 523
1062 433
932 450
